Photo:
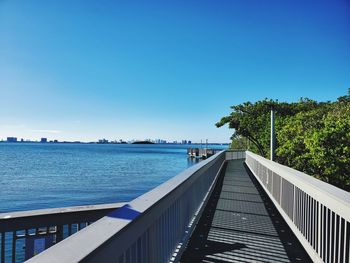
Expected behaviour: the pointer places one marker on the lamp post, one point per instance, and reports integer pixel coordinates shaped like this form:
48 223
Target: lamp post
272 138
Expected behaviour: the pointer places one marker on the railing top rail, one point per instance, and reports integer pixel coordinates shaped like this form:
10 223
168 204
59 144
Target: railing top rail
327 194
236 150
59 210
82 244
12 221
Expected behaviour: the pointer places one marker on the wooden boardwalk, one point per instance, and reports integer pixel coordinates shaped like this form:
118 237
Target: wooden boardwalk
241 224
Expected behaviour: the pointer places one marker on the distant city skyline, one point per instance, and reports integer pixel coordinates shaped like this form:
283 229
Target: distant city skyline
82 70
113 141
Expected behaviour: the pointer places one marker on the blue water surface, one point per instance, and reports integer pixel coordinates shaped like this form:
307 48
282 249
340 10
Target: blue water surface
39 175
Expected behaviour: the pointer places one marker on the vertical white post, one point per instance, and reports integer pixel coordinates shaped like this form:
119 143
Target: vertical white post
272 139
294 200
319 219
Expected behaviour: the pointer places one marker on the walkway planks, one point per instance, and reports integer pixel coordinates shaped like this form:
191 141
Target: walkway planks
240 224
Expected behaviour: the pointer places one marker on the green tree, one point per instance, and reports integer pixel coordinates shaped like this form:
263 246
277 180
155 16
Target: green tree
239 143
291 137
311 137
252 120
329 147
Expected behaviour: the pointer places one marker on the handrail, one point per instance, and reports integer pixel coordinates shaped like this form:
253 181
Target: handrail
234 154
317 212
161 218
56 222
12 221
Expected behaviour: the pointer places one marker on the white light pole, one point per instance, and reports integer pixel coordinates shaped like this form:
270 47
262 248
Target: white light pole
272 139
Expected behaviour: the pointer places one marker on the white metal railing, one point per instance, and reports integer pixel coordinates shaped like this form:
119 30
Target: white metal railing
16 228
234 154
317 212
151 228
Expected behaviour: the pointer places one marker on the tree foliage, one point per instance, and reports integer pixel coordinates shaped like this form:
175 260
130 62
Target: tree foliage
239 143
252 120
313 137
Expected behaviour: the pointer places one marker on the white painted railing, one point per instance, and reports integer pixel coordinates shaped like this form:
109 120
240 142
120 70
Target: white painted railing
57 223
317 212
234 154
151 228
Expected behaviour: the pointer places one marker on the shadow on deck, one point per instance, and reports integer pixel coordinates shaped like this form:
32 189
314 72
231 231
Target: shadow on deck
241 224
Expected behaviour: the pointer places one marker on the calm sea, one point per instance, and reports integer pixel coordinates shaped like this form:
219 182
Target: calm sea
34 175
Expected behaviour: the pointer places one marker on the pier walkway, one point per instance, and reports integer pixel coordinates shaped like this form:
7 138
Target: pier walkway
235 206
241 224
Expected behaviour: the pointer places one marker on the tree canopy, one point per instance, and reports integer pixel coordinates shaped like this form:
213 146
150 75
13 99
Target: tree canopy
313 137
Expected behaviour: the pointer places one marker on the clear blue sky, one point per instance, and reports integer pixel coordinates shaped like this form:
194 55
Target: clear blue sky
84 70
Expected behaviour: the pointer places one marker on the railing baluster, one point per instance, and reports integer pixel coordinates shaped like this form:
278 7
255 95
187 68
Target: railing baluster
314 224
343 249
306 216
324 243
319 228
69 229
347 242
336 238
294 204
330 249
59 233
2 247
302 208
14 247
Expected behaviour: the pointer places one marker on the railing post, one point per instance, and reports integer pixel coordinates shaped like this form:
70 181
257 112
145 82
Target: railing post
294 199
281 192
59 233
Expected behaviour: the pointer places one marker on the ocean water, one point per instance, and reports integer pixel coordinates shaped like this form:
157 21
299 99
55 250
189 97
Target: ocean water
35 175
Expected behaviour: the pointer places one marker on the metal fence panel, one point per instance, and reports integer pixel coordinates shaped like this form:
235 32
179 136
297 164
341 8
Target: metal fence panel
317 212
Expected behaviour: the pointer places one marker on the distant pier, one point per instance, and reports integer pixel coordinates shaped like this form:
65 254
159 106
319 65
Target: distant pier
202 153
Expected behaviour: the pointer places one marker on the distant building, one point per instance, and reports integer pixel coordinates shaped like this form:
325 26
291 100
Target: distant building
55 141
11 139
43 140
160 141
103 141
22 140
184 142
189 142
